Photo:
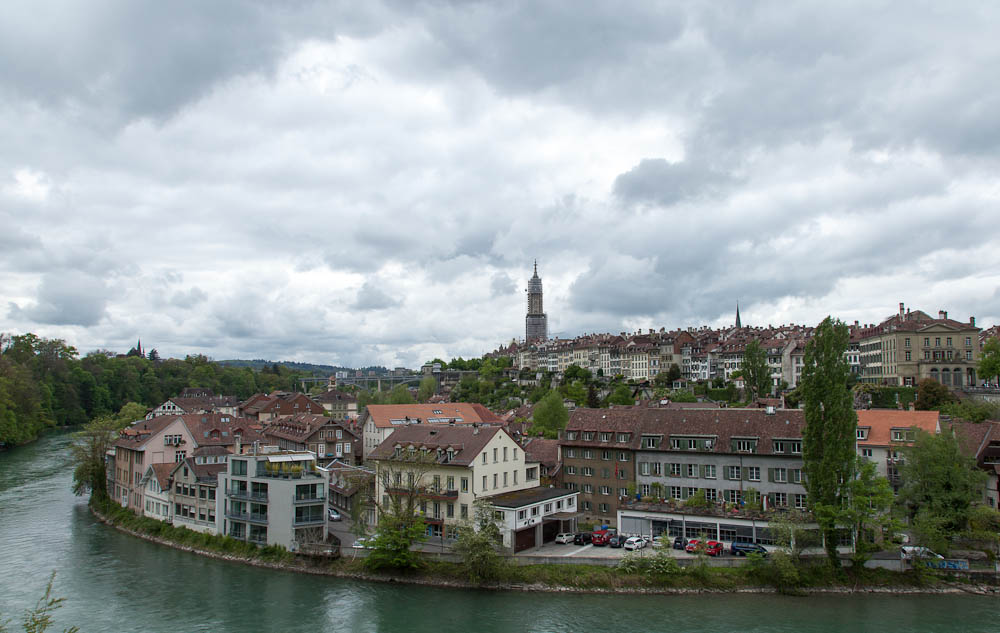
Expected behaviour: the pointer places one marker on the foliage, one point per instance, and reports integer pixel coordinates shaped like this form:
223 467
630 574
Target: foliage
932 395
972 410
428 387
682 396
725 394
44 382
868 510
91 445
697 500
575 372
391 547
39 618
889 397
940 488
621 395
756 374
550 415
828 438
593 401
989 360
479 543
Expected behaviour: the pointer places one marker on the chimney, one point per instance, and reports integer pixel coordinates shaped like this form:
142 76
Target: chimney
941 314
900 309
946 314
972 321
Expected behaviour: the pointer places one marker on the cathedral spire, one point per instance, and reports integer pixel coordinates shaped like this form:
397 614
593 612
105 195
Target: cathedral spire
738 323
536 323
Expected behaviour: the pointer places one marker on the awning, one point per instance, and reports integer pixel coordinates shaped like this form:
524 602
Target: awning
562 516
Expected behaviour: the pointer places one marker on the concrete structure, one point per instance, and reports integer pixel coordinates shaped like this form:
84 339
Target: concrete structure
534 516
273 497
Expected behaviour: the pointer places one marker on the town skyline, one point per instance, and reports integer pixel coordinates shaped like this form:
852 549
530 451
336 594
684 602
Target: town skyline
370 185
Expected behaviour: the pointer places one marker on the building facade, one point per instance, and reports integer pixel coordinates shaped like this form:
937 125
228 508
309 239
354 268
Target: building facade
535 322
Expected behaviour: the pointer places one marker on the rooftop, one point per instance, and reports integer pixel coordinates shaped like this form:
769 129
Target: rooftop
528 496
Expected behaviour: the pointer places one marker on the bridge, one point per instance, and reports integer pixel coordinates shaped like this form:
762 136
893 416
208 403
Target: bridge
366 382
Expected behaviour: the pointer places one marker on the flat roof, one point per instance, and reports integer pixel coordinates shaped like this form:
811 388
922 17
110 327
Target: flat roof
528 496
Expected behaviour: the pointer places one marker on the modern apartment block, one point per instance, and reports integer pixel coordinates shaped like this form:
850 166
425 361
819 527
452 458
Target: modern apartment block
273 497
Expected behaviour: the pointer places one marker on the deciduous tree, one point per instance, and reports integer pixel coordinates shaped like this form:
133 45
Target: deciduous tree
756 374
989 360
831 426
550 415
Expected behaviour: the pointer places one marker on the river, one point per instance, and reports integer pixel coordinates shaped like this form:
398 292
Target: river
114 582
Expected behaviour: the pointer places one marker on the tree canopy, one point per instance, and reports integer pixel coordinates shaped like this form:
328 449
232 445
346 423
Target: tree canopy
989 360
756 374
550 415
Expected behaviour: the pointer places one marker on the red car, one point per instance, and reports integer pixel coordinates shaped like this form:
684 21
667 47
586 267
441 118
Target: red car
711 548
602 537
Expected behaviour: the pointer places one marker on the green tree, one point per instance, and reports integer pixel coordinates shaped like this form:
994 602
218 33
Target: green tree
593 401
428 387
940 488
39 618
674 373
830 430
868 510
400 395
621 395
575 372
90 447
550 415
989 360
662 379
756 374
932 395
479 542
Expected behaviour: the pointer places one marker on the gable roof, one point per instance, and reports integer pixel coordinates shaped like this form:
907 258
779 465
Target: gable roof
466 441
398 415
880 423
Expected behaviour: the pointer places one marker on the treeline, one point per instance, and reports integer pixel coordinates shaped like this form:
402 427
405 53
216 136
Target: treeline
45 383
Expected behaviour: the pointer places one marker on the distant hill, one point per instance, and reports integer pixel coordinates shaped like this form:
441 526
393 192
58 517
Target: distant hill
318 370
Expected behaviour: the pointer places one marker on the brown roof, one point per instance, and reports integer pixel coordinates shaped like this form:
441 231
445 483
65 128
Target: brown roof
543 451
138 434
334 396
467 441
162 474
880 423
459 412
722 424
973 438
208 473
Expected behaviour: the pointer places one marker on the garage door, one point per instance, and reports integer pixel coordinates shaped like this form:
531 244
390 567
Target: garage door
524 539
549 531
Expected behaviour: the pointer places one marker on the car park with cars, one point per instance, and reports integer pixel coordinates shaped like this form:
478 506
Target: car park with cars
680 543
617 540
565 537
583 538
635 542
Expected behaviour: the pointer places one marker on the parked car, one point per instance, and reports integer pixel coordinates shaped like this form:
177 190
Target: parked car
362 543
634 543
913 552
680 543
692 546
714 548
659 540
565 537
617 540
601 537
333 515
742 548
583 538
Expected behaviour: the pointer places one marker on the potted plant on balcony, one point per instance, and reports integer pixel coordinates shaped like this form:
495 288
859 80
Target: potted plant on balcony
296 471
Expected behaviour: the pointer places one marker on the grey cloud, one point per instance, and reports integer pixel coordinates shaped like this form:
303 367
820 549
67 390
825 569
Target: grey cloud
69 298
188 299
501 285
372 297
656 181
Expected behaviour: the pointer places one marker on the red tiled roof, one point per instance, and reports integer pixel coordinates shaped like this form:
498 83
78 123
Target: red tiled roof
461 412
880 423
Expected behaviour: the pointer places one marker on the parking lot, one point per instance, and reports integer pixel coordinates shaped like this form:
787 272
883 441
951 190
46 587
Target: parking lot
593 551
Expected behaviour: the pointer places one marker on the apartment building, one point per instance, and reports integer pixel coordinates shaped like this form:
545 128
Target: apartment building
379 421
883 433
328 437
193 492
910 346
273 497
445 468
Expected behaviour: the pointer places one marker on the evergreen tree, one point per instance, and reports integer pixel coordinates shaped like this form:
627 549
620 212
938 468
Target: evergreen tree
756 374
830 430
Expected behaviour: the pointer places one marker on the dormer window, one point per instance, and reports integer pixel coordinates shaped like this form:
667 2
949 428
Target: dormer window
862 434
623 437
588 436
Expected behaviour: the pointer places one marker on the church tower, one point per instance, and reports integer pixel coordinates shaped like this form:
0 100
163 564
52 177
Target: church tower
739 324
535 323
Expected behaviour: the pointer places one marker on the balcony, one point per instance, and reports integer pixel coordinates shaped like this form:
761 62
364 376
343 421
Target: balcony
258 540
304 521
258 517
309 498
238 516
250 496
426 493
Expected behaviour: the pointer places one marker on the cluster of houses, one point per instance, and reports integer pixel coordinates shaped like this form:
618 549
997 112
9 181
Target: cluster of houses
901 350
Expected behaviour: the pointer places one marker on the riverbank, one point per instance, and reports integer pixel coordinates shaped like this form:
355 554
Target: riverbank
814 579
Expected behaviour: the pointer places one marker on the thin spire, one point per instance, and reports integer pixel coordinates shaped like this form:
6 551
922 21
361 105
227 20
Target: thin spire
536 267
738 323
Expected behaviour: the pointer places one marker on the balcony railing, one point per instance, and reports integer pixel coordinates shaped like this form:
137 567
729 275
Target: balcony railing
298 522
309 498
257 517
239 516
251 496
257 540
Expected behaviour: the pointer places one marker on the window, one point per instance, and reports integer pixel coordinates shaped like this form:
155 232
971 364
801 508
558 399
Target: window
570 452
548 508
675 470
588 436
238 467
588 489
903 435
649 442
571 470
451 483
605 437
495 455
906 342
709 471
711 494
692 470
796 476
644 468
531 474
496 479
605 490
515 454
800 502
937 341
968 354
484 484
623 457
781 498
866 452
744 446
947 342
484 457
796 447
733 472
692 445
606 455
862 434
675 444
781 475
505 479
657 468
522 514
968 341
675 492
588 471
586 505
623 438
588 454
753 473
908 357
623 492
505 453
604 508
571 435
927 342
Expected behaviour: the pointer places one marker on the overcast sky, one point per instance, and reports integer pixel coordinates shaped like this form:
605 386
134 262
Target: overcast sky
370 182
